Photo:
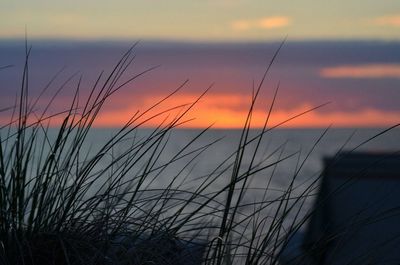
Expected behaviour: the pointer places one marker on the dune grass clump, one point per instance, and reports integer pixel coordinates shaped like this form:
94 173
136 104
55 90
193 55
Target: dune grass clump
62 204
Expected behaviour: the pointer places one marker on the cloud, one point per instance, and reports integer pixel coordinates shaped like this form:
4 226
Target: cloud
393 21
274 22
262 23
350 119
226 110
227 117
362 71
230 111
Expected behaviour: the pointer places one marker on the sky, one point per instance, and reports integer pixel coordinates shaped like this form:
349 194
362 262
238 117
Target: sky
345 53
206 20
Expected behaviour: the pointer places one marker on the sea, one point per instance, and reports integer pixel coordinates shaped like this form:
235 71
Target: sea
285 165
293 146
284 157
285 160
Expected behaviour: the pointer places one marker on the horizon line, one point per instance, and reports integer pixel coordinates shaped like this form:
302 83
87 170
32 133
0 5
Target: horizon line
198 41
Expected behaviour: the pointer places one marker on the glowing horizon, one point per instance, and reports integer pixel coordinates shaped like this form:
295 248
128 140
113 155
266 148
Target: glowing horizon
362 86
231 114
208 113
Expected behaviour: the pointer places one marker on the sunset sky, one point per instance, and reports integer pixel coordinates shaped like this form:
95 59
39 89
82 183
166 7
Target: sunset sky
343 52
206 20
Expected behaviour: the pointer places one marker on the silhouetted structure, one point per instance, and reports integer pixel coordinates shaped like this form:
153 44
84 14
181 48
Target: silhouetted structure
356 218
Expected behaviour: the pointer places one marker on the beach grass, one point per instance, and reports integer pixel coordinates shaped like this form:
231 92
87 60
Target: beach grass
60 204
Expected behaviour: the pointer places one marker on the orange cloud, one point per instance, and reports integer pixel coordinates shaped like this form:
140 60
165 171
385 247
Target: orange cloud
388 21
362 71
274 22
360 118
224 109
262 23
230 111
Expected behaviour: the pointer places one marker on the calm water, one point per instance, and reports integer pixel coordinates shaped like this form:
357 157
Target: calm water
300 144
305 156
302 156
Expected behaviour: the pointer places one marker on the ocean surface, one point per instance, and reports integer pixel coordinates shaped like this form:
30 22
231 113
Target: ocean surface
301 150
186 159
310 145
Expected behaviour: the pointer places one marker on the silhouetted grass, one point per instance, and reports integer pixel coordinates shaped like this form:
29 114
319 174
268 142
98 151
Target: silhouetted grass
60 204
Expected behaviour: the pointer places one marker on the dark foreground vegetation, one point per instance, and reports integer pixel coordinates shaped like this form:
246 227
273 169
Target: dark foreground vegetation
62 205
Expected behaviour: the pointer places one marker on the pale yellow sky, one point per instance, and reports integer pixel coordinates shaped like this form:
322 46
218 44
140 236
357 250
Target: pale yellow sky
205 20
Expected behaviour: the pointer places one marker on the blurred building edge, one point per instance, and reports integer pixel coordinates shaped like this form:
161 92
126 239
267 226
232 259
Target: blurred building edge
356 216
